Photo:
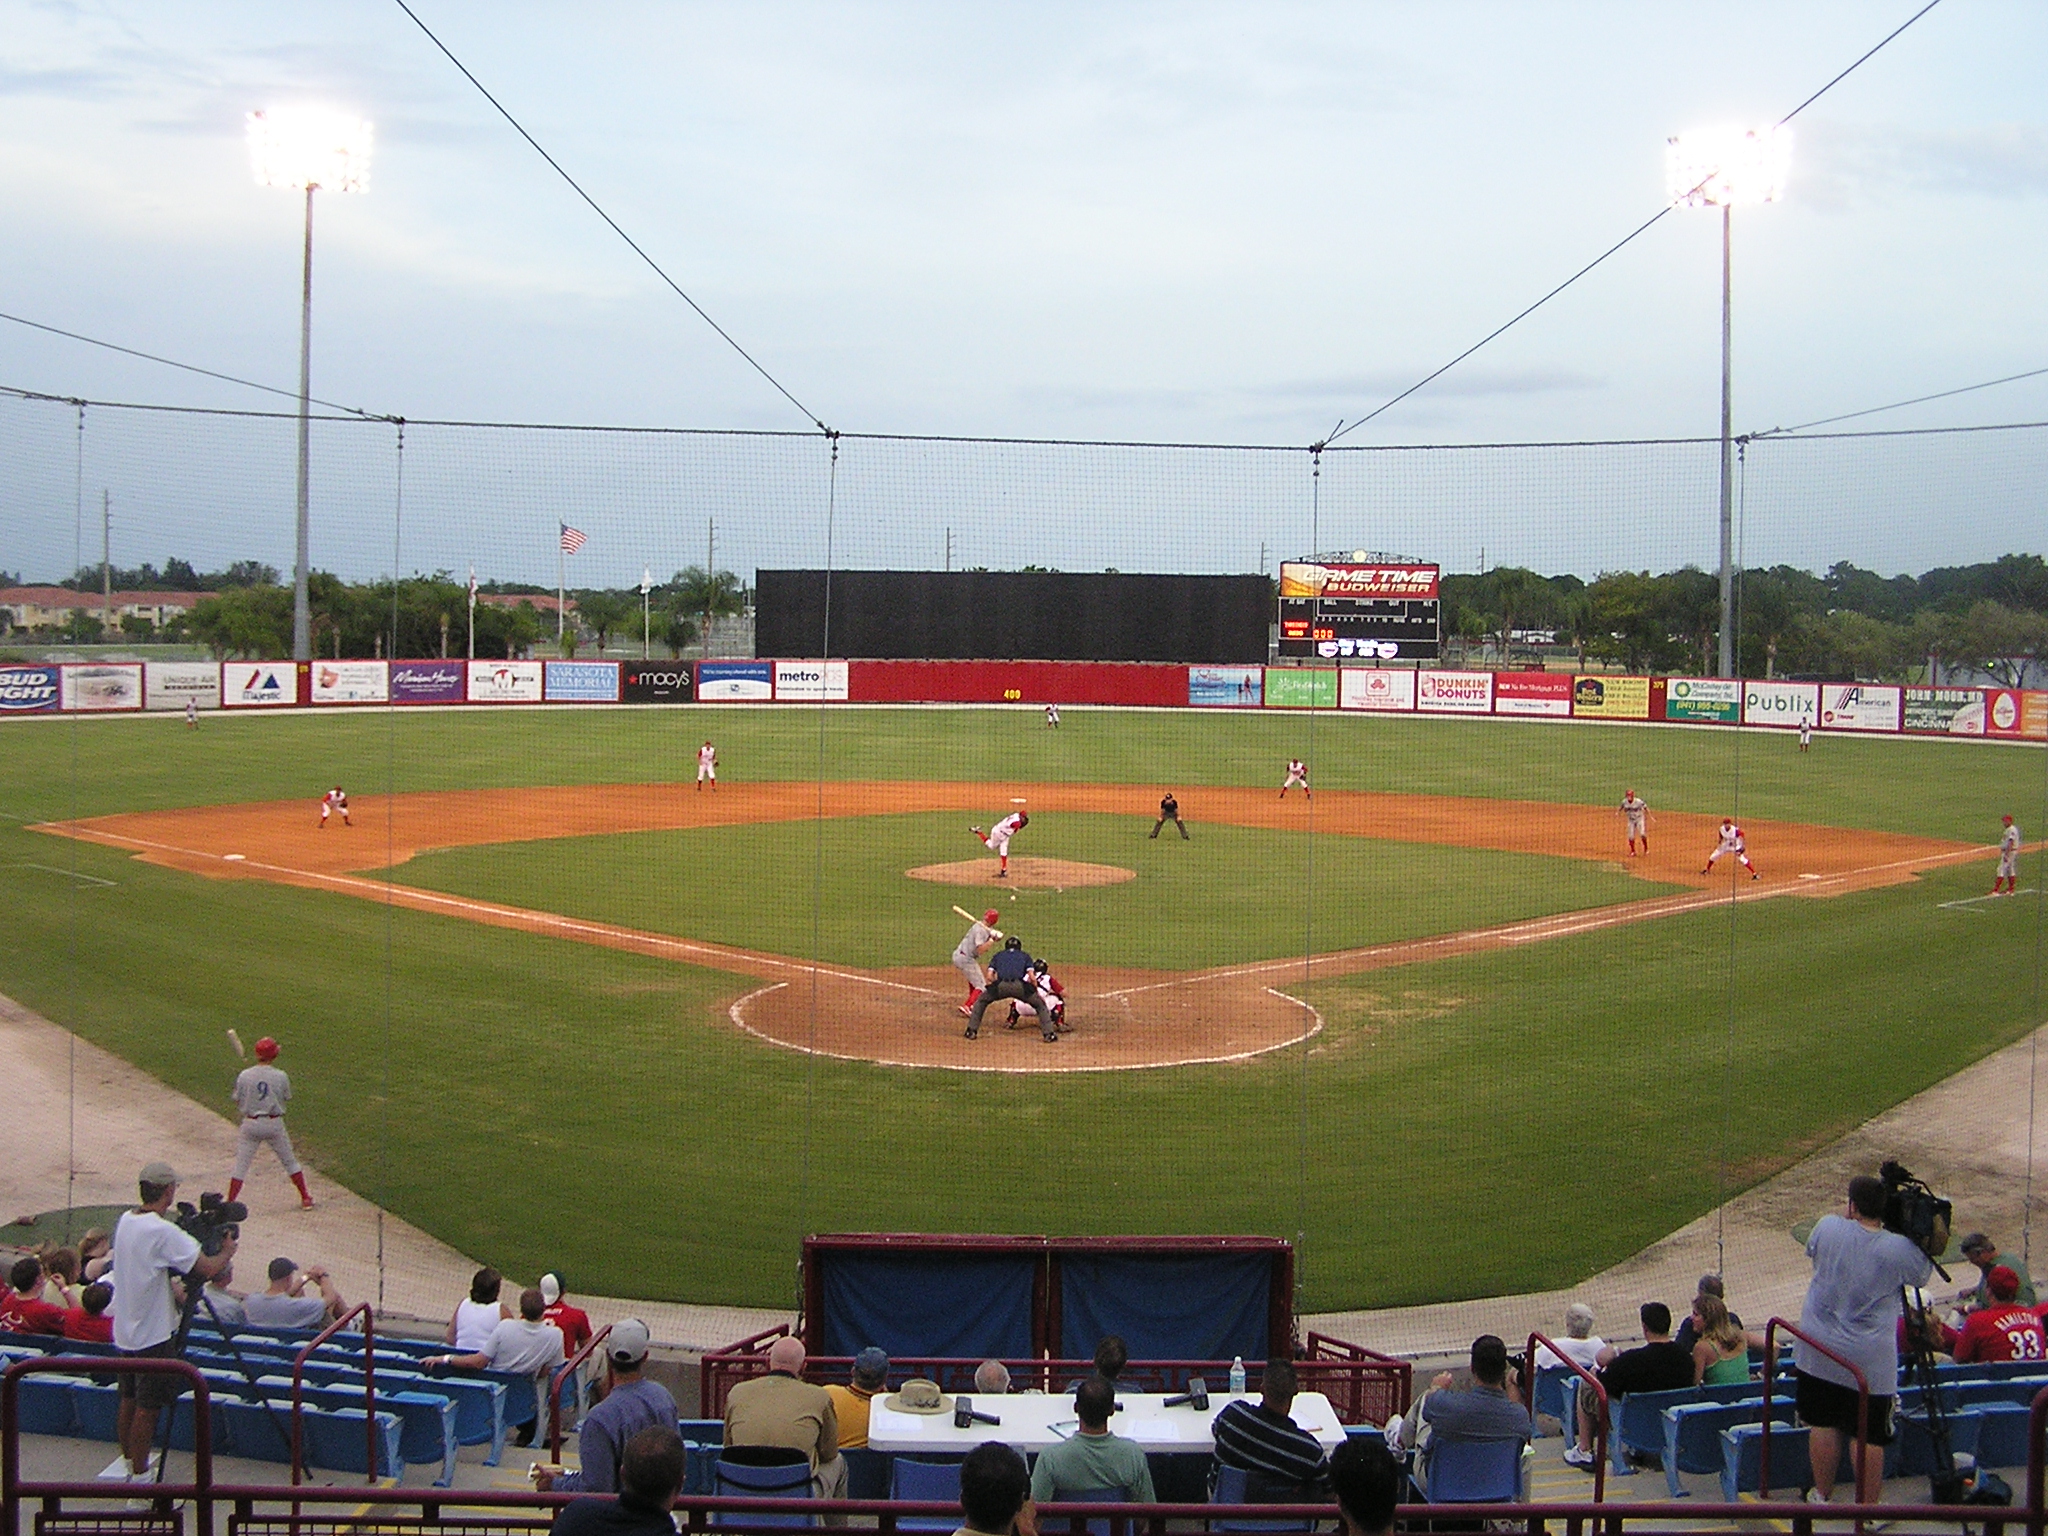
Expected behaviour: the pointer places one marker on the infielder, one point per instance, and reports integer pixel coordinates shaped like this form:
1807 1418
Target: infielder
1297 778
262 1092
1731 842
967 955
1636 812
998 838
2008 861
707 767
336 799
1052 716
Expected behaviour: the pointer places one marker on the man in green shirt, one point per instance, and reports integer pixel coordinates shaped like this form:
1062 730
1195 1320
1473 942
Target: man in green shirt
1983 1252
1094 1460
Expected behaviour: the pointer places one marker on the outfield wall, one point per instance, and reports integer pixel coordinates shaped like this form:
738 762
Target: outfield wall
1843 708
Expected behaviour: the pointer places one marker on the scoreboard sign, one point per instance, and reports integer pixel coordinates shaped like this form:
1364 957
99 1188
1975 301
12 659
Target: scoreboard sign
1381 612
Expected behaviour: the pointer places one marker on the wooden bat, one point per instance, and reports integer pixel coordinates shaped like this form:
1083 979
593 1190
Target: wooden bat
236 1041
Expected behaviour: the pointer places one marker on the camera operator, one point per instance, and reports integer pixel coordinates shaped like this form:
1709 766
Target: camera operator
149 1253
1853 1307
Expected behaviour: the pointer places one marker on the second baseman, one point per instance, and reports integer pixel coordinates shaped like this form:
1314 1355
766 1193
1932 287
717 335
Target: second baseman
336 799
997 840
261 1092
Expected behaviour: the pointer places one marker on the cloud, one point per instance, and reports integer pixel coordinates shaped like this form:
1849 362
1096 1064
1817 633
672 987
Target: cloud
1839 164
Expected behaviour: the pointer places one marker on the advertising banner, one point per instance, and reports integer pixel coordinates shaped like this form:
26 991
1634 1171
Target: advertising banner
1611 698
1305 578
1532 693
1375 688
811 680
258 684
1779 703
505 682
1220 687
168 684
1858 707
1944 711
582 682
656 682
746 680
427 682
28 690
1464 693
1717 699
2008 712
2034 715
104 685
351 682
1301 688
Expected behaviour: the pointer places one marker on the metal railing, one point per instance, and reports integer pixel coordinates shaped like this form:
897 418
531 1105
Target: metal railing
360 1309
13 1488
1603 1426
1770 1372
569 1368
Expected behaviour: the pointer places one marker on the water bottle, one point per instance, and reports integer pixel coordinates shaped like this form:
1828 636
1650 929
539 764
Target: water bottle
1237 1376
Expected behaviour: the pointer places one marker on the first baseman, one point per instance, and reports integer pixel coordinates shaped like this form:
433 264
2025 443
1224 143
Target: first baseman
997 840
336 799
967 955
1297 778
1636 812
1731 842
707 766
2008 861
262 1092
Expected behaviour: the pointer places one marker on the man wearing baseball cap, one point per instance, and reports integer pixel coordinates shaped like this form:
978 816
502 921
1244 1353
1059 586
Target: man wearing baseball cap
631 1403
261 1093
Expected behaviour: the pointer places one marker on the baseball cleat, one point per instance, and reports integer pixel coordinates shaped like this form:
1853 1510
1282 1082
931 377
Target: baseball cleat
966 1010
1002 874
306 1204
975 830
1050 1038
1754 875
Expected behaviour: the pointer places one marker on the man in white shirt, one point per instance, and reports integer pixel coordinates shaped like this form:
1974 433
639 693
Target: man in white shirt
527 1345
148 1253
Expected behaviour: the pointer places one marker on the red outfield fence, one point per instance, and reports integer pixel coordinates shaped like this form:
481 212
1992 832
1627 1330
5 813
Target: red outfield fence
128 687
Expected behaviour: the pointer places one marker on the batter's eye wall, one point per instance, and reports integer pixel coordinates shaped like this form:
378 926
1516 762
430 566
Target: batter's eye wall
1013 615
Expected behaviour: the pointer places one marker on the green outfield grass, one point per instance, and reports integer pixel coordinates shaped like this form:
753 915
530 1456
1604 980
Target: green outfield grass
1469 1126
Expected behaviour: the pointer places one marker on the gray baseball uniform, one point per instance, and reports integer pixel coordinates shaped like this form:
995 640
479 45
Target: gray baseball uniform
2009 854
261 1092
967 954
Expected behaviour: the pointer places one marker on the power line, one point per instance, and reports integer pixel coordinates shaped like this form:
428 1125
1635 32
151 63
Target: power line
614 223
1898 405
169 362
1612 249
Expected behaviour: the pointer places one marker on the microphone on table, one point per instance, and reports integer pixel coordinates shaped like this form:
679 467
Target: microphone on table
1196 1396
965 1416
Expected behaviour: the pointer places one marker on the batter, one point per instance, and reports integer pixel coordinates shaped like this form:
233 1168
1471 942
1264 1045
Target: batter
997 841
2008 861
1731 842
967 955
261 1092
1636 812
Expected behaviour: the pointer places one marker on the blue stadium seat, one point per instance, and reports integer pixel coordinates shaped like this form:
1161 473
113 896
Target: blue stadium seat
932 1482
1473 1472
45 1405
1555 1386
737 1479
1231 1488
254 1435
703 1431
1692 1435
1096 1527
867 1473
2002 1435
334 1440
427 1418
93 1407
1742 1459
1915 1448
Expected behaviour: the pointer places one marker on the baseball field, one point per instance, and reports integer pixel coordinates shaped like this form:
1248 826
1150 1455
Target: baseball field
545 997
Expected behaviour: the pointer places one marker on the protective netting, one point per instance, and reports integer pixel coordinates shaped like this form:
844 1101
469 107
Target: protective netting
550 1005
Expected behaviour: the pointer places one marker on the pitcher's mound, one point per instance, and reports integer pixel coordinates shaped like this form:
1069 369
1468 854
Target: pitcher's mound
1031 874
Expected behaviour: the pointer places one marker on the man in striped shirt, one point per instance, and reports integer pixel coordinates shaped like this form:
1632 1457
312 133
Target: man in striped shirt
1282 1462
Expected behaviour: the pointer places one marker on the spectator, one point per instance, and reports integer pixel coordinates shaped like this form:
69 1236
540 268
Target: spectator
1111 1356
2005 1330
1367 1482
1983 1253
224 1304
995 1493
573 1323
1656 1365
286 1305
1580 1344
523 1345
1720 1351
783 1409
1710 1285
95 1254
870 1375
1281 1461
89 1322
991 1379
650 1475
60 1277
1093 1459
1939 1337
477 1316
1488 1411
23 1310
631 1405
1852 1306
148 1253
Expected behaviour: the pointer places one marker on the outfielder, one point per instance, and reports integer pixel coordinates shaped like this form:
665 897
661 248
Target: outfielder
336 799
1297 778
1731 842
707 767
1636 812
1052 716
997 841
967 955
2008 861
262 1092
1805 733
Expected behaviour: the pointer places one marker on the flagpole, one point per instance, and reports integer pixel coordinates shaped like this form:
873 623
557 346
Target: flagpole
561 578
472 611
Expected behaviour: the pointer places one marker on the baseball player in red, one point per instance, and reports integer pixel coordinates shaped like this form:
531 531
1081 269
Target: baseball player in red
2008 861
262 1092
967 955
1731 842
1297 778
997 841
336 799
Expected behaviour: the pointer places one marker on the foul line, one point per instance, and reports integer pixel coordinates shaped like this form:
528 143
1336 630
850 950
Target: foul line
69 874
1969 903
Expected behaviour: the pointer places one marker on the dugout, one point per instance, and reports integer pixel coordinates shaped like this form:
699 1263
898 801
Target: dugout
1012 615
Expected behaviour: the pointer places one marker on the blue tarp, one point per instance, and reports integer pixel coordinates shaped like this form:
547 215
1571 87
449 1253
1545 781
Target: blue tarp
925 1303
1208 1307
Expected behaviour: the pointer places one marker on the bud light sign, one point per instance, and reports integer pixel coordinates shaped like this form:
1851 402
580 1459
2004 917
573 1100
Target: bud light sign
27 690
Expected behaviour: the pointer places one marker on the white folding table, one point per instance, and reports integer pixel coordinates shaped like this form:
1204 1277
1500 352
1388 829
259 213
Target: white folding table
1032 1421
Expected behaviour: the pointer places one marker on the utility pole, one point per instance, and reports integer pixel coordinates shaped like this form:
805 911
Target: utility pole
710 585
1262 557
949 549
106 564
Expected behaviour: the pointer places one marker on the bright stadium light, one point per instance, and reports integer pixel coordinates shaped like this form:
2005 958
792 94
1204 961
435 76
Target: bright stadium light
307 149
1719 168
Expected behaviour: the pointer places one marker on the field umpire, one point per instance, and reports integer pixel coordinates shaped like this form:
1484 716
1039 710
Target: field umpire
1169 810
1010 967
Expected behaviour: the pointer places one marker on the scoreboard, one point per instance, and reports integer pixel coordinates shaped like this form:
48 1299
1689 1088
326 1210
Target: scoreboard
1383 611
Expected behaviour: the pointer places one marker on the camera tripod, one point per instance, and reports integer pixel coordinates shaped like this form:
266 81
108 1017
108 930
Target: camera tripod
195 1295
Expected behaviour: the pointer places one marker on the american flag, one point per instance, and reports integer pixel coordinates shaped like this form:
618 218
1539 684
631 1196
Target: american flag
572 539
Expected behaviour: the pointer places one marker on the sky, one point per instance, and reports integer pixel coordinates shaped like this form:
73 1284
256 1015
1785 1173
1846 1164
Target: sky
1229 224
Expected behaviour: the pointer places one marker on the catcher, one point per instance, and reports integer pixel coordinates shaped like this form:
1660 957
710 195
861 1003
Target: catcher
1051 1003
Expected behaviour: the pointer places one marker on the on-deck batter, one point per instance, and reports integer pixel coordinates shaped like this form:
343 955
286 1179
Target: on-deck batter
1636 812
1297 778
707 766
997 841
2008 861
1731 842
336 799
967 955
261 1092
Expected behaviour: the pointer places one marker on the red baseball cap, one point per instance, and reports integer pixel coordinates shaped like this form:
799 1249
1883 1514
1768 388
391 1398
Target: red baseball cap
265 1048
2003 1284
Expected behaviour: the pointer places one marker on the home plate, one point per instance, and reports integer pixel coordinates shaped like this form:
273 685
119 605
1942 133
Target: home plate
234 858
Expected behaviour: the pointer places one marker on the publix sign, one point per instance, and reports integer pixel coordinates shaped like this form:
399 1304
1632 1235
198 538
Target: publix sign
27 690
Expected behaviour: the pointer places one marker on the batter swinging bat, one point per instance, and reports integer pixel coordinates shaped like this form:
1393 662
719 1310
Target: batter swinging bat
973 919
236 1041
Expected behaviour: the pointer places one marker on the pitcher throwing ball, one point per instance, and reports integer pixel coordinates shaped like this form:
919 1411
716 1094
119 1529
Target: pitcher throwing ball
261 1092
997 839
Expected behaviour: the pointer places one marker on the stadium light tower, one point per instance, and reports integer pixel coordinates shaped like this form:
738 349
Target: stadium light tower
308 149
1719 168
